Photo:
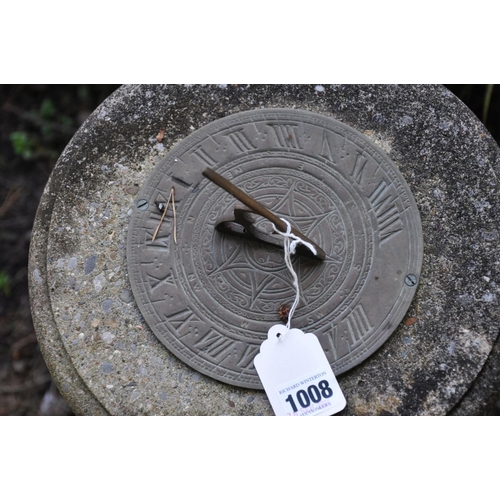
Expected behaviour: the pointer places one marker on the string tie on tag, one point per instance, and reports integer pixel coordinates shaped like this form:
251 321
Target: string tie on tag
290 245
294 239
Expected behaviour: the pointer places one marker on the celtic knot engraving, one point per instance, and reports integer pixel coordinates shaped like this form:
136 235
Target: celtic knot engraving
250 278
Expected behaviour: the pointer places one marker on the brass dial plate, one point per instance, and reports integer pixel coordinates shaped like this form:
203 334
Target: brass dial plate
212 297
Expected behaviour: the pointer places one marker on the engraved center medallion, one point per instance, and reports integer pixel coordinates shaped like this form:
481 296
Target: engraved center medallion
212 297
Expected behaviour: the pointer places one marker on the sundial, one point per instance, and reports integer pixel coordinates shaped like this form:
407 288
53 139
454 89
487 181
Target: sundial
210 286
142 311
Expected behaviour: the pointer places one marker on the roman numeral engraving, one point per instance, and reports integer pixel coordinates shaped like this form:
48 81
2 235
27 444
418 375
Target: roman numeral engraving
350 332
335 149
240 141
357 324
386 211
156 282
160 243
336 343
358 169
285 135
326 150
331 145
182 321
225 351
202 155
215 346
246 360
181 182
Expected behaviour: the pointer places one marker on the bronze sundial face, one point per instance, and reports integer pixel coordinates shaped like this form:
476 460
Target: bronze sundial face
211 297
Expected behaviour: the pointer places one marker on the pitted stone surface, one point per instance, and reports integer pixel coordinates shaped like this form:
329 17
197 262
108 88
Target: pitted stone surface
102 353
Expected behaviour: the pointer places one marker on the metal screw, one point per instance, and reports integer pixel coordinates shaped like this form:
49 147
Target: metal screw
411 280
142 205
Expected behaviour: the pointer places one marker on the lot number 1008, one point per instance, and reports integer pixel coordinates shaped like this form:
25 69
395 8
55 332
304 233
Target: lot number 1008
313 394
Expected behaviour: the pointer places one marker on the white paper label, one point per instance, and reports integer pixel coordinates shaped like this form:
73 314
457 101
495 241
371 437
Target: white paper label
296 375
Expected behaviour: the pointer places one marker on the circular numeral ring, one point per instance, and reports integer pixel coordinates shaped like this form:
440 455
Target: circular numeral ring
212 297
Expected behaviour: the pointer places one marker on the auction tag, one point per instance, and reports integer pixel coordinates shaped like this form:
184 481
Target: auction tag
296 375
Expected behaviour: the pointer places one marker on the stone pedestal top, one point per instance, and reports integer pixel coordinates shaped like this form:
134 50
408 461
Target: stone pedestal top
441 359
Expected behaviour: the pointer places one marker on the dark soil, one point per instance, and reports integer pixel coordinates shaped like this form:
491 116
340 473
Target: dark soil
36 123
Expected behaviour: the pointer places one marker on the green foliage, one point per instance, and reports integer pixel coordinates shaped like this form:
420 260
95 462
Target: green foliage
50 120
4 283
66 120
22 144
51 126
47 109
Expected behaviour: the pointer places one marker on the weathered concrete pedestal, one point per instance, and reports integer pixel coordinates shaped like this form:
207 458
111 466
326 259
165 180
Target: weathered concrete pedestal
442 359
